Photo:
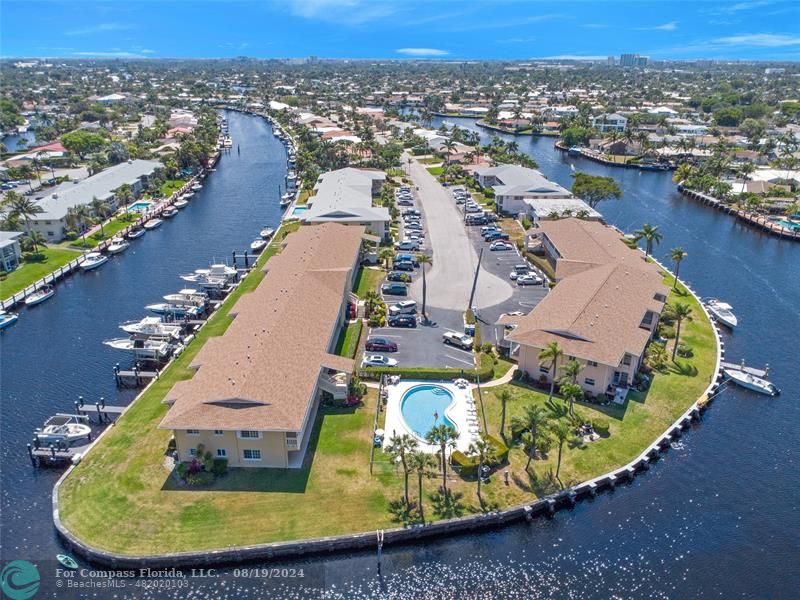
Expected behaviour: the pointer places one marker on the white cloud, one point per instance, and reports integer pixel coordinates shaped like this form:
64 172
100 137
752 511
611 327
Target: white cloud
748 5
517 40
347 12
422 51
671 26
594 26
765 40
101 28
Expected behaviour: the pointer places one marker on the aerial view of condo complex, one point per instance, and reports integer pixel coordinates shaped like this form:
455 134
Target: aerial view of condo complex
383 299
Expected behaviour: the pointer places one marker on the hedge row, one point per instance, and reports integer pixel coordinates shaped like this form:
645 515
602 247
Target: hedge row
485 371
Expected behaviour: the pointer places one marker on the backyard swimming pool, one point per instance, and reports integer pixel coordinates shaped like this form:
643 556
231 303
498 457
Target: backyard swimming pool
140 206
787 224
424 406
299 211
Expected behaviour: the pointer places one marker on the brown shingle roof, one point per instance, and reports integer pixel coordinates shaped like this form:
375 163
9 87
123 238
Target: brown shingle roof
261 373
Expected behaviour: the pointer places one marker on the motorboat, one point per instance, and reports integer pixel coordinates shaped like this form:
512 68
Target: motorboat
153 223
258 245
62 428
177 311
196 187
142 348
181 203
152 328
7 319
92 260
135 233
40 295
118 245
286 199
267 232
187 195
188 297
227 142
751 381
169 212
722 312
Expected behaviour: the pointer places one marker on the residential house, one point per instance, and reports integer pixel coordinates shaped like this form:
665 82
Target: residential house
609 122
514 186
256 389
10 251
602 312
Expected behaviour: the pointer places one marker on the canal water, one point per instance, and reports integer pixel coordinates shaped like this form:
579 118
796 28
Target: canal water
718 517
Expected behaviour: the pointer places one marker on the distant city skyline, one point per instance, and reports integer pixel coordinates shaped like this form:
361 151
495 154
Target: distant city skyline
434 29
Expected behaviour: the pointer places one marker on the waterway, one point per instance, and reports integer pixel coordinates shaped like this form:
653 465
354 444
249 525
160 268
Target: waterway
718 517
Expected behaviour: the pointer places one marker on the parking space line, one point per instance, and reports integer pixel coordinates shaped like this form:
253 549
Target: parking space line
461 360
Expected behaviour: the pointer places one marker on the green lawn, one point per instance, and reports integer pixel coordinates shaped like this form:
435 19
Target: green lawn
366 280
435 171
349 336
29 272
171 186
111 228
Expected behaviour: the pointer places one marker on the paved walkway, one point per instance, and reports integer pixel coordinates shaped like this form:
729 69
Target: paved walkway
454 257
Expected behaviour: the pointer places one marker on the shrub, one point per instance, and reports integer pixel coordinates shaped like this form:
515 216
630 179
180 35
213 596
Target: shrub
467 465
200 478
668 332
219 466
487 347
71 236
500 449
181 469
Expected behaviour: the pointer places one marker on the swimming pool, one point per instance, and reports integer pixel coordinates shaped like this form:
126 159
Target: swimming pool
423 406
298 211
787 224
140 206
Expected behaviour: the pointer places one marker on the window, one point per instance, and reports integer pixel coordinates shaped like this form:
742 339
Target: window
192 432
192 451
251 454
291 439
218 432
626 360
545 370
249 435
591 363
588 381
222 453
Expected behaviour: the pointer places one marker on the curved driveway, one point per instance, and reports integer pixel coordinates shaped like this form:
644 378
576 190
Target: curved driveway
454 257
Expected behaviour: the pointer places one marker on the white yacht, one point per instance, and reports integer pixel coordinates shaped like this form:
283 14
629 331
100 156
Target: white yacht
92 260
722 311
188 297
751 381
267 232
169 212
118 245
196 187
286 199
181 203
153 328
7 319
153 223
136 232
63 428
142 348
258 245
40 295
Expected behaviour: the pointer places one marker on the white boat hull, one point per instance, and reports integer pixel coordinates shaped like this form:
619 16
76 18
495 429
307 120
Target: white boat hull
93 263
751 382
39 296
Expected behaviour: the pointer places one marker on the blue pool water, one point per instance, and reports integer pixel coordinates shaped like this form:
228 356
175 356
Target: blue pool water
788 224
298 211
419 404
140 206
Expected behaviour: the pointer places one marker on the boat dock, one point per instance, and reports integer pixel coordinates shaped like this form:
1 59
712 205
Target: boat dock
740 367
136 377
52 456
103 413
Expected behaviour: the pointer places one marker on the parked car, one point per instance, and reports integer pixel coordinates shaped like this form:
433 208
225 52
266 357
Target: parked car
397 276
376 344
403 321
405 202
474 219
459 340
415 226
404 307
407 245
408 257
394 289
489 228
495 235
519 270
529 279
500 246
378 360
403 265
473 208
411 211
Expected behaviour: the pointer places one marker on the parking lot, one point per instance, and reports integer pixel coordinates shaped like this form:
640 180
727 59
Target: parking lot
454 248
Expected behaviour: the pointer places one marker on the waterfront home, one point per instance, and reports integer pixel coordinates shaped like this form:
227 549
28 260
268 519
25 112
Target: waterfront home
55 202
256 388
10 251
602 312
609 122
345 196
515 186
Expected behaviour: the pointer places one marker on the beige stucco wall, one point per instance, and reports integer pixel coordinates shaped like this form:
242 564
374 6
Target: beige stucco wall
272 445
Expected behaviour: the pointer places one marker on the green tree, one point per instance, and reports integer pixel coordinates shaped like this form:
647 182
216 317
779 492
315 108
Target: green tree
23 208
594 189
386 256
563 432
680 311
650 235
124 194
401 447
33 241
533 421
420 463
82 142
504 396
552 352
100 210
571 392
677 255
84 214
486 454
445 437
571 370
424 260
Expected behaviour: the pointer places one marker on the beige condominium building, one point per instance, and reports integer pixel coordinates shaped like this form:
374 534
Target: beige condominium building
602 312
256 388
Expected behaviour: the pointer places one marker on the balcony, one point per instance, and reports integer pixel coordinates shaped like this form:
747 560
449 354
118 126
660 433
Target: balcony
335 383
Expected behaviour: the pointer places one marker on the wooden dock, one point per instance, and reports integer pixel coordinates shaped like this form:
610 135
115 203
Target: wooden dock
133 378
739 367
102 413
53 456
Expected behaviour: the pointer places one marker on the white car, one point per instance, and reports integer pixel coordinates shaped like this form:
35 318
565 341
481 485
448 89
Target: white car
379 360
461 340
407 245
529 279
500 246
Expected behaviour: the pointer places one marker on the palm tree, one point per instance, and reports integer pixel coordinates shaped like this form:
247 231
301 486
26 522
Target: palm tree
420 462
677 254
682 173
450 145
124 194
445 437
36 240
571 392
551 352
571 370
100 210
504 396
680 311
650 234
371 298
533 420
400 447
386 255
424 260
84 215
486 453
563 432
23 208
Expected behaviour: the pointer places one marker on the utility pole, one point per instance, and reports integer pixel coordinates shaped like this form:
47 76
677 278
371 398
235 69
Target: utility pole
475 280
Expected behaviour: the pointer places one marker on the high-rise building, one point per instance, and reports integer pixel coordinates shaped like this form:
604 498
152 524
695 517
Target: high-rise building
632 60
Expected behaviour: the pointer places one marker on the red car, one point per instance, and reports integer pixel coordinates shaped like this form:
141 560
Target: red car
381 345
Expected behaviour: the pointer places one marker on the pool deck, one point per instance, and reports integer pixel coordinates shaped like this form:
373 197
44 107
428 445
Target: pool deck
457 412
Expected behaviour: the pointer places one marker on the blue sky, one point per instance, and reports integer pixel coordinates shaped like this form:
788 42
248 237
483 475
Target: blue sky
450 29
